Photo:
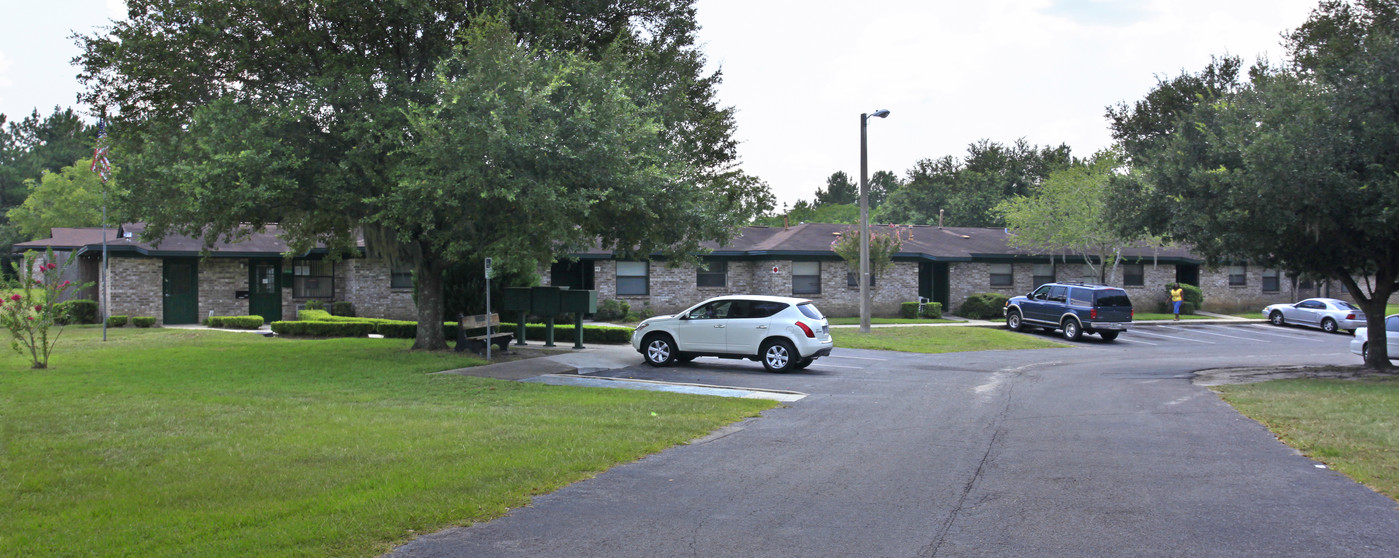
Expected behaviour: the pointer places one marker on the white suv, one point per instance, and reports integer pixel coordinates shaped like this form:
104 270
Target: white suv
783 333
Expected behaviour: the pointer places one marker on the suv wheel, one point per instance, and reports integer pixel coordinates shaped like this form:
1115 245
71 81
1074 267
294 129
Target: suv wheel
1108 335
1072 331
779 356
1328 325
660 350
1013 320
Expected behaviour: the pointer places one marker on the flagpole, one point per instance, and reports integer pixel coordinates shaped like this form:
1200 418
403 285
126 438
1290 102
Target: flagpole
102 167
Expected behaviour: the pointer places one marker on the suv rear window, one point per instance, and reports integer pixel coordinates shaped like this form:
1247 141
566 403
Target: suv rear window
764 308
1112 297
809 310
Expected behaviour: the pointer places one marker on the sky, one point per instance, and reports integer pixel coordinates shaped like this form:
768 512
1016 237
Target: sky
799 74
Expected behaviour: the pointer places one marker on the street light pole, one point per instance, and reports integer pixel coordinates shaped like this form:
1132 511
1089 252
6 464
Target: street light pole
864 278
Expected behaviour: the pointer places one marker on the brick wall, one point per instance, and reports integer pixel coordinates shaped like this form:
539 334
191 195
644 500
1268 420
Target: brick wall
137 292
365 283
219 279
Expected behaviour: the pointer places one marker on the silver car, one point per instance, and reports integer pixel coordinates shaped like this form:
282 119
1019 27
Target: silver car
1329 314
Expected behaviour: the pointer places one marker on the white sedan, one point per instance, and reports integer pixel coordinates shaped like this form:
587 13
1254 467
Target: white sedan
1329 314
1360 345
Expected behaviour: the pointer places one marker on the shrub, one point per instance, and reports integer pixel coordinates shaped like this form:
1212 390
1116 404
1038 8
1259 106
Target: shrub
930 310
235 322
143 321
309 315
116 321
562 333
315 305
612 310
342 308
1194 299
983 306
77 311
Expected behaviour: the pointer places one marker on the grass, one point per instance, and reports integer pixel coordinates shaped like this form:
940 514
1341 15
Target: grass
1350 425
184 442
856 321
937 339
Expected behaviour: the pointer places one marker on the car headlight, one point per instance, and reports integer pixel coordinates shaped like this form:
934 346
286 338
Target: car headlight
642 325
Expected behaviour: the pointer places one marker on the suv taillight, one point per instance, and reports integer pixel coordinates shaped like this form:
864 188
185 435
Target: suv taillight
807 330
1093 314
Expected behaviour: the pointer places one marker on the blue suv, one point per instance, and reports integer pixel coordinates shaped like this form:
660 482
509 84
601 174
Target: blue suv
1075 308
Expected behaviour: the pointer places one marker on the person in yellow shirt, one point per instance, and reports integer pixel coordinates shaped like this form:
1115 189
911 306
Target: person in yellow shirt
1177 294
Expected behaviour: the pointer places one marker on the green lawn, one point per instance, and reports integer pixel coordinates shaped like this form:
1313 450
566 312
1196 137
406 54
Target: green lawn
937 339
1350 425
195 443
856 321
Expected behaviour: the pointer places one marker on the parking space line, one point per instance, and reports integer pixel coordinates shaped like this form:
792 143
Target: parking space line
1196 330
1140 332
1289 336
1126 340
819 363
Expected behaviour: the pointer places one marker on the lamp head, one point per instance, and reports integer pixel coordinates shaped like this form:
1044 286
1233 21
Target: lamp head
882 113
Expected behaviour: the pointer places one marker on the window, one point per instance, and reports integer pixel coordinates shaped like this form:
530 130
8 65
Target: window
633 278
1041 293
806 277
1238 275
852 279
1133 275
312 279
1391 323
1043 273
1059 293
401 276
1001 275
712 274
1081 297
1270 281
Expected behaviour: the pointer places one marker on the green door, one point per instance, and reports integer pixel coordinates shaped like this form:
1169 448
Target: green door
265 289
932 282
180 287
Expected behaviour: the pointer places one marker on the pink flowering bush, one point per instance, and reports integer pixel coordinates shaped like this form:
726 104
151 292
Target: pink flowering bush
28 313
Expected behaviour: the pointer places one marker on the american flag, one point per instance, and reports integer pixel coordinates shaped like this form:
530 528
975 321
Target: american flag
100 164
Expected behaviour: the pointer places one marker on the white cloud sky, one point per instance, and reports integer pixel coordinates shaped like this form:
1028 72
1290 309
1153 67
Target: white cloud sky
800 73
954 72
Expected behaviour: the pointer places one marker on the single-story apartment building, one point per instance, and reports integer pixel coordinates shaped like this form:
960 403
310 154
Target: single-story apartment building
941 264
175 282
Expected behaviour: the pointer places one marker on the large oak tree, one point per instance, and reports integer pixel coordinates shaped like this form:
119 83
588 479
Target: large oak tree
445 131
1297 168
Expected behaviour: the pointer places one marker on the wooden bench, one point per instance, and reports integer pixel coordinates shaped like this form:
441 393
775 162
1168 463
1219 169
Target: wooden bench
478 343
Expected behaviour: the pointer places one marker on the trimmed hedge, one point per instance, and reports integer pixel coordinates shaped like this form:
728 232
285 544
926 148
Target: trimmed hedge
116 321
342 308
76 311
323 329
235 322
930 310
143 321
983 306
395 329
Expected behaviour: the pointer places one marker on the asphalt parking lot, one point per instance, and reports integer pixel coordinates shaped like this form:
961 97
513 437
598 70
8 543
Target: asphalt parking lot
1094 449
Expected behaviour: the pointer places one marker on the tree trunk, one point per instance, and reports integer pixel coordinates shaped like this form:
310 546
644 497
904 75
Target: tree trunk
1374 307
430 335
